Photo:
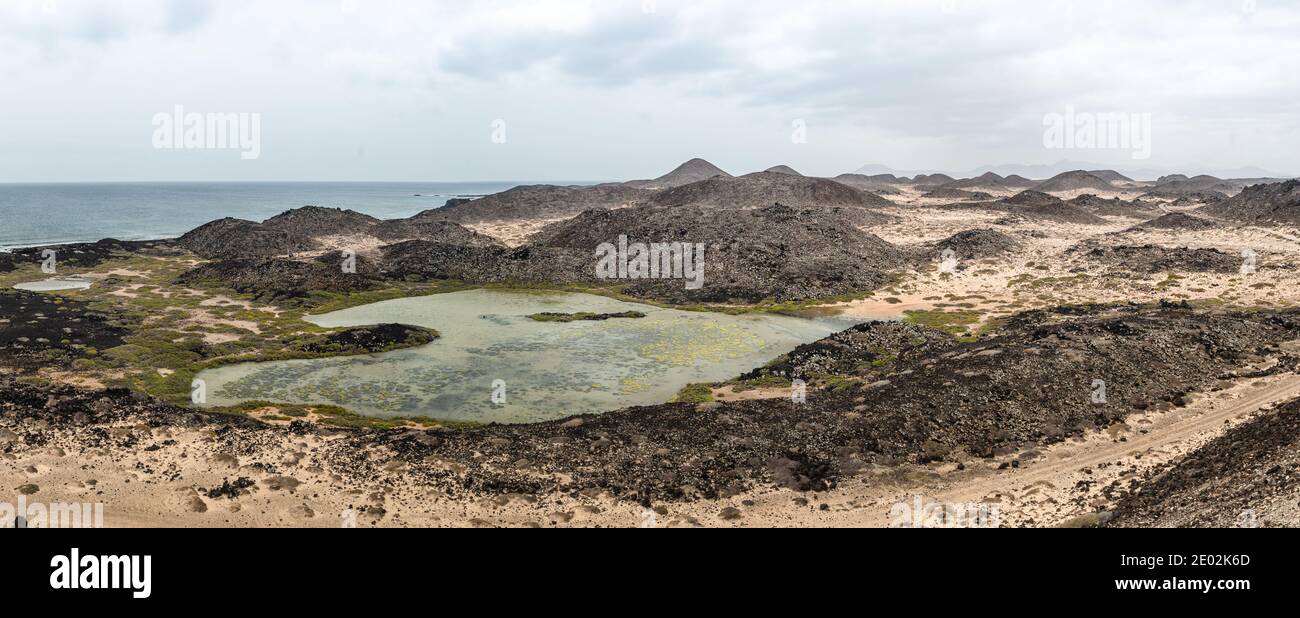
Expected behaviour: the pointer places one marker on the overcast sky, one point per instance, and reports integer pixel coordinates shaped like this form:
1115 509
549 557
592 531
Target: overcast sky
620 89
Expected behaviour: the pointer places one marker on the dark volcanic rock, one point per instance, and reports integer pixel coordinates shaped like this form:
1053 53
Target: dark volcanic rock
1031 198
36 331
856 351
932 180
1179 186
1113 207
420 260
783 169
1199 198
957 194
283 280
750 255
762 189
973 245
774 252
1174 221
1275 203
1153 259
691 171
936 399
370 339
1030 384
88 255
239 239
1221 485
1060 212
1074 181
314 221
429 226
539 202
870 184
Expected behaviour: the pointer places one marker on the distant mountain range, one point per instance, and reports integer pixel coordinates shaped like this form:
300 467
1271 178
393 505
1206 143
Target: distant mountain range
1041 172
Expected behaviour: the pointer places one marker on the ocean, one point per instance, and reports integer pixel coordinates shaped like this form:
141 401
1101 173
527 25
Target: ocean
48 214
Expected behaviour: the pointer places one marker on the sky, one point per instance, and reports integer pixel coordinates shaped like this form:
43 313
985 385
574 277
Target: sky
585 90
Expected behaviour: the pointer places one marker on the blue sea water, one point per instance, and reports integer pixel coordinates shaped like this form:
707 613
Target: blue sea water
46 214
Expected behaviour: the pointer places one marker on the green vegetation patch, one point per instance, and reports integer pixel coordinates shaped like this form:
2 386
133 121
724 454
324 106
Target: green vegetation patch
694 393
955 323
585 317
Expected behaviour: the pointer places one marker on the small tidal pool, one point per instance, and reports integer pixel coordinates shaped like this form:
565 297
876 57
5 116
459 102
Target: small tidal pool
547 370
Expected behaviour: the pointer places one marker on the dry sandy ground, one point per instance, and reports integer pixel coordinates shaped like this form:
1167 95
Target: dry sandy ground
1052 486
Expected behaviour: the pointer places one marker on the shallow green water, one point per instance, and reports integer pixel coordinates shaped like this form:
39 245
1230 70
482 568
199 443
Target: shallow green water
550 370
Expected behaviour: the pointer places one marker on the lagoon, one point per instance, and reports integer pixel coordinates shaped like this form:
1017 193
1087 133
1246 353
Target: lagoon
55 285
546 370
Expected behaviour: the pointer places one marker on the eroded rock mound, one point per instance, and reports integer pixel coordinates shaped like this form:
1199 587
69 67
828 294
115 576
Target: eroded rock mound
539 202
1261 204
973 245
1151 259
691 171
762 189
1174 221
776 252
1031 197
240 239
1075 181
314 222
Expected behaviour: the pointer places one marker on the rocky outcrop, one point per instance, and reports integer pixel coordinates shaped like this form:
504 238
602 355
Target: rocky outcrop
777 252
762 189
239 239
689 172
429 226
314 222
278 280
1074 181
1151 259
1273 204
1174 221
42 331
972 245
539 202
1248 477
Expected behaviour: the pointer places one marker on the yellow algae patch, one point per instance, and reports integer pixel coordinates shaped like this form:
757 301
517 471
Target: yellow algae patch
703 341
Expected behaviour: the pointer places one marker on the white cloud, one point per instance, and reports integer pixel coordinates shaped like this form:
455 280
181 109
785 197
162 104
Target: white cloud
593 89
